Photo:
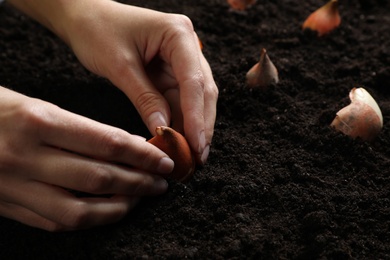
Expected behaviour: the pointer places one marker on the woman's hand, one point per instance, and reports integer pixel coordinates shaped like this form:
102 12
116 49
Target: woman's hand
154 58
46 151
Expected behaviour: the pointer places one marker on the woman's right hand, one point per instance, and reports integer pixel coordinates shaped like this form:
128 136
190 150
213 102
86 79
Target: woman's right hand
46 151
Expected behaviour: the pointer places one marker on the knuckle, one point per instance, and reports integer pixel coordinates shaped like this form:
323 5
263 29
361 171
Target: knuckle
178 26
121 66
147 101
142 186
144 159
99 180
114 144
199 78
31 119
213 92
34 117
182 22
197 82
76 217
31 112
10 158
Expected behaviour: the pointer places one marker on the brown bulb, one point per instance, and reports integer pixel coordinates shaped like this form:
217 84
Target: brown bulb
240 5
262 74
324 19
177 148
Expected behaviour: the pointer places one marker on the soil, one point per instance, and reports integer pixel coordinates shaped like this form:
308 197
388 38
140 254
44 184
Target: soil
280 183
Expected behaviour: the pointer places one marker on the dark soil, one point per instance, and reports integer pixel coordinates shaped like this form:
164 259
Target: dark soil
280 182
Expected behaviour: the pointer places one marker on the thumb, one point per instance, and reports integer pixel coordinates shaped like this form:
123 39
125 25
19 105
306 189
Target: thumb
148 101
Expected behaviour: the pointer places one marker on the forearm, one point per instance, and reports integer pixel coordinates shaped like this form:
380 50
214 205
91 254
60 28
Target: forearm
56 15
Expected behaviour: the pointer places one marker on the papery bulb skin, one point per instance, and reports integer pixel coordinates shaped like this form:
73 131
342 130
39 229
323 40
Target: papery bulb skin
361 118
240 5
324 20
262 74
176 147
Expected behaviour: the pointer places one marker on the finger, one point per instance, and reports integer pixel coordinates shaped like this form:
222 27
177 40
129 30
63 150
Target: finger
183 55
162 76
29 217
61 207
173 97
72 171
81 135
149 102
211 97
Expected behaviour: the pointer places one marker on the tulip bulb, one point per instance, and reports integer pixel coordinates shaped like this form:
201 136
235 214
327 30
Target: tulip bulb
240 5
324 19
200 44
177 148
263 73
362 118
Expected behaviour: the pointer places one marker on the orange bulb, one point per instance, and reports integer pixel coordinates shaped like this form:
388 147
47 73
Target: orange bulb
325 19
240 4
200 44
177 148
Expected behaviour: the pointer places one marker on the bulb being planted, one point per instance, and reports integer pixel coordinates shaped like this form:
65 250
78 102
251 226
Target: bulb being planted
362 118
177 148
262 74
325 19
240 5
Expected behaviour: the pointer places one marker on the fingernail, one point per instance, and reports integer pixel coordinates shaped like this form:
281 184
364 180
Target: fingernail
205 154
165 165
156 119
160 185
202 142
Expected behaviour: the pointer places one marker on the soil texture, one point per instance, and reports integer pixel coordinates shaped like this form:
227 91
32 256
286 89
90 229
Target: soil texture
280 183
